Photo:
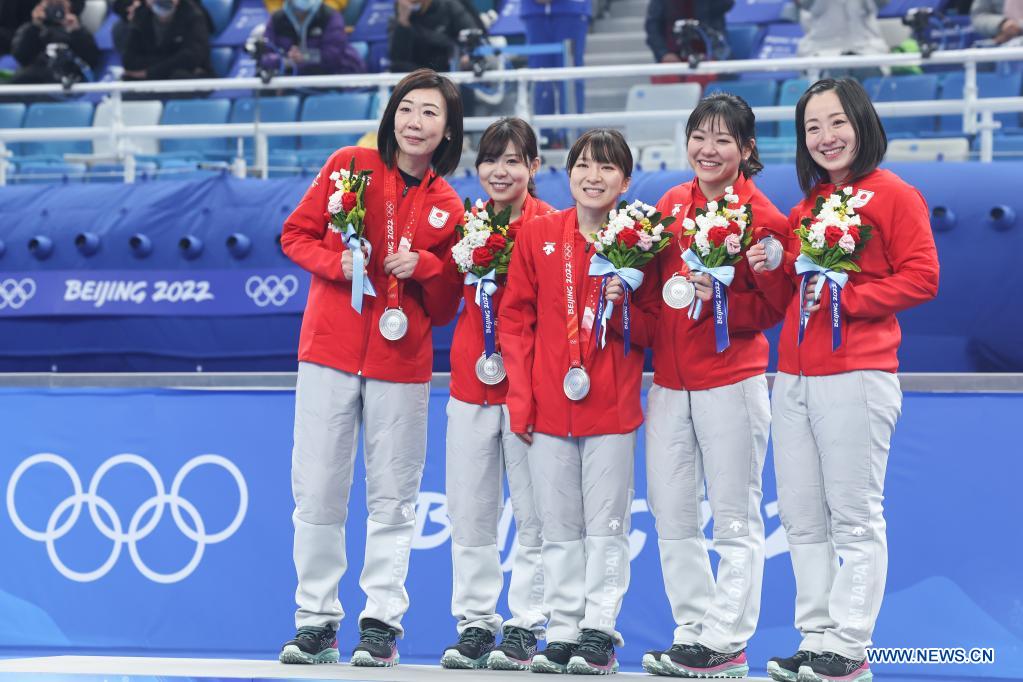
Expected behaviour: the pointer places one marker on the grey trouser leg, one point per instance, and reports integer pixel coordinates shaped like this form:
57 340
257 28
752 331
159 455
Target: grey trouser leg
831 437
583 489
689 434
480 449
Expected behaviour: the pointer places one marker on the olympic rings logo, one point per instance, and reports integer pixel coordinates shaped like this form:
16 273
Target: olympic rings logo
271 289
14 293
112 526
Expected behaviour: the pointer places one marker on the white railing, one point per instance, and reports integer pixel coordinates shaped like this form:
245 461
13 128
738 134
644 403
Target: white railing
978 114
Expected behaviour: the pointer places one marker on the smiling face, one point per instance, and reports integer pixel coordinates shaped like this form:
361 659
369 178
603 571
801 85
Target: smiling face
715 156
830 136
596 185
506 178
420 123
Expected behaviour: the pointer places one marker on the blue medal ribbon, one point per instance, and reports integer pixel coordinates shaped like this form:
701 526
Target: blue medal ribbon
361 283
836 281
721 278
631 278
486 286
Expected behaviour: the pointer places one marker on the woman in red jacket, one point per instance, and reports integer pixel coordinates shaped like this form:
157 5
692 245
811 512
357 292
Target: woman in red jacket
481 448
836 398
583 441
365 360
708 412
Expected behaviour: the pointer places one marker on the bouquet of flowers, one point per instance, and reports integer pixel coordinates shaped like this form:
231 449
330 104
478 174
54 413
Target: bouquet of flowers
346 215
633 235
831 240
720 232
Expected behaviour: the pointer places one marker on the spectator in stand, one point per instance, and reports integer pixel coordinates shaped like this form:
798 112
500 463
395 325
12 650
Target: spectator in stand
53 23
1000 20
661 16
14 13
308 37
274 5
167 39
424 33
554 21
836 28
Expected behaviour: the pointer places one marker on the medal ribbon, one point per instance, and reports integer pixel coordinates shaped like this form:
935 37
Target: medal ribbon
394 287
632 278
836 280
361 283
575 354
721 277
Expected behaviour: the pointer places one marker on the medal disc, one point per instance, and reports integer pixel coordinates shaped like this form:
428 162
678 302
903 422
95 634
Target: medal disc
678 292
490 371
393 324
775 251
577 383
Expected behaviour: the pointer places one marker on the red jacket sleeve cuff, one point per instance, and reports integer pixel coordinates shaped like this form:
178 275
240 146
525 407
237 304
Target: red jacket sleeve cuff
428 267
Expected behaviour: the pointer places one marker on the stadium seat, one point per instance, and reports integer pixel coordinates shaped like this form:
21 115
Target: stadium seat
757 93
195 111
756 11
1006 147
789 94
361 48
352 12
250 13
654 98
903 89
988 85
47 173
58 115
934 149
133 113
12 114
657 156
222 58
220 12
271 110
346 106
743 39
114 172
776 150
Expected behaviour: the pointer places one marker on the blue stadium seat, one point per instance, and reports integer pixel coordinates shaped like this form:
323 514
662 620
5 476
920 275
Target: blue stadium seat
744 39
114 172
789 93
271 110
352 12
50 173
347 106
58 115
988 85
904 89
12 114
361 48
757 93
756 11
1006 147
222 58
898 8
195 111
220 12
250 13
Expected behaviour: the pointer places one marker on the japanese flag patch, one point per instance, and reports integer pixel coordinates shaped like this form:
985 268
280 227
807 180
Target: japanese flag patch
438 217
862 197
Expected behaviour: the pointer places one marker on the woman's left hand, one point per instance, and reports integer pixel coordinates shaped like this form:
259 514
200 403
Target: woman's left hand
615 290
702 284
401 264
811 303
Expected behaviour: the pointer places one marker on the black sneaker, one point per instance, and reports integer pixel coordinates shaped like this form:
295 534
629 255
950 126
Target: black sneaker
696 660
830 667
786 669
652 662
311 645
518 646
471 652
594 655
553 659
377 646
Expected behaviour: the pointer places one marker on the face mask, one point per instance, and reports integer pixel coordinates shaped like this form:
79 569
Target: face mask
416 7
303 5
163 8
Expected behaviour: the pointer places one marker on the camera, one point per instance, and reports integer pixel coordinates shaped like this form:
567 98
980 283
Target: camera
922 20
697 42
469 41
54 15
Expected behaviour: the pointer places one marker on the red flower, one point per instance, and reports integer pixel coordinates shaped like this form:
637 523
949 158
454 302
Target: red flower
496 242
832 234
854 232
628 237
348 201
637 226
733 228
482 256
717 235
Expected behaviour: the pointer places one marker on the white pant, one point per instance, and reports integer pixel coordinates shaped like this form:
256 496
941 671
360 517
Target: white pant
719 434
583 489
831 440
481 449
330 408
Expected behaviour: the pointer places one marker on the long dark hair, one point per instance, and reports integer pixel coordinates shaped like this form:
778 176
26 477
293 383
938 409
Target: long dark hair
497 136
871 140
739 121
448 153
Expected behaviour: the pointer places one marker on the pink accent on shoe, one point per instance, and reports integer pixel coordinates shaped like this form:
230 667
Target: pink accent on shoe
738 660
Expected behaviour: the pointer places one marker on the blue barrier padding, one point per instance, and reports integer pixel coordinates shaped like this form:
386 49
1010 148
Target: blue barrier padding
951 491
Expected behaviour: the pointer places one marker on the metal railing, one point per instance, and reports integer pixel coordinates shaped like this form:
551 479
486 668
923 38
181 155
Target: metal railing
978 114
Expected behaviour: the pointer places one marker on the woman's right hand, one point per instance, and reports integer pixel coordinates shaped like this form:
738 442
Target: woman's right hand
702 284
526 437
757 257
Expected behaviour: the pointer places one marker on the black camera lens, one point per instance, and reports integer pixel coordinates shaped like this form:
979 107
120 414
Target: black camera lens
55 15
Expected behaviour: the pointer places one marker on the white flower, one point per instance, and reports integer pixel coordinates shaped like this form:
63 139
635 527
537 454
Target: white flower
657 230
847 191
732 244
846 243
702 243
335 175
598 247
712 206
689 224
334 205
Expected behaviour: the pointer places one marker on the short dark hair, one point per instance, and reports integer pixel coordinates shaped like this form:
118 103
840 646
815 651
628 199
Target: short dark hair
739 121
606 145
449 152
871 140
502 131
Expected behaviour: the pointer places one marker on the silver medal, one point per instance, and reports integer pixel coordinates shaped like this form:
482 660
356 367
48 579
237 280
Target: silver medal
577 383
774 251
490 370
393 324
678 292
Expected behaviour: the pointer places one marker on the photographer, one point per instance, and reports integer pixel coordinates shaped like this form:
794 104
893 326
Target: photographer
167 39
424 33
53 47
308 37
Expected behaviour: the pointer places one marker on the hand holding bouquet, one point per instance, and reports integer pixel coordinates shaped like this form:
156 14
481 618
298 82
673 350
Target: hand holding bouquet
346 215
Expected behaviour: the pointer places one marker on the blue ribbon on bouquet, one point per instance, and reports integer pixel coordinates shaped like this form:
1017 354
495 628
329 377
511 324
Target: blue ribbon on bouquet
361 283
486 287
721 277
632 278
807 268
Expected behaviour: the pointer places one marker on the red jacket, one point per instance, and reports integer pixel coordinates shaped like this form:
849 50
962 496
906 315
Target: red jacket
684 349
900 270
333 334
534 337
467 343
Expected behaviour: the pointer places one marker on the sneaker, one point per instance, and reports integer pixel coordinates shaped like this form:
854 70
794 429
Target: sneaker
311 645
518 646
652 662
696 660
594 655
553 659
830 667
786 669
377 646
471 651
